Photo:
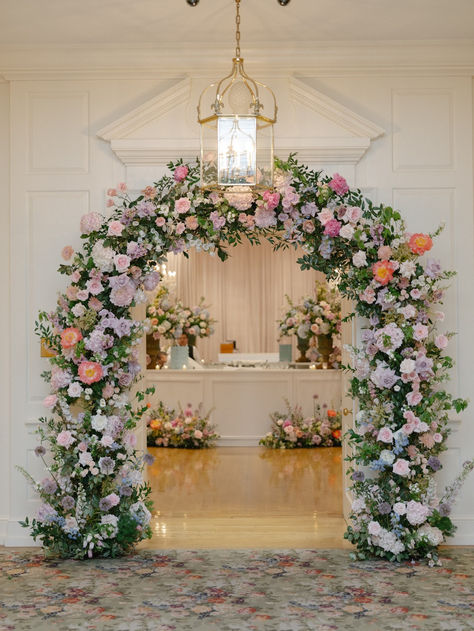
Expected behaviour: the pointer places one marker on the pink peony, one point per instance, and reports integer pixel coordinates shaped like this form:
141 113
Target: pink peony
271 199
417 512
182 205
122 262
191 222
353 214
401 467
70 337
414 398
67 252
385 435
91 222
65 439
441 341
420 331
75 276
50 401
180 173
90 372
115 229
332 227
82 294
338 184
180 228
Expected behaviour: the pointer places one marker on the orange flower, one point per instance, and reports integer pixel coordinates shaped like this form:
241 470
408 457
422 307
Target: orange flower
383 271
90 372
420 243
155 424
337 434
332 413
70 337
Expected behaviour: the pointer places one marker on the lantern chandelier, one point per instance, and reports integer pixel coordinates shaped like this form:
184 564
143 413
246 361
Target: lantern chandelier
237 114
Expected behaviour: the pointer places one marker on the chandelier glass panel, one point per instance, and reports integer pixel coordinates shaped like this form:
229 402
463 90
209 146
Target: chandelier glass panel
237 115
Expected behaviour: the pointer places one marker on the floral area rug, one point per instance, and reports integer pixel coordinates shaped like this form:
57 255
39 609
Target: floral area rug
222 590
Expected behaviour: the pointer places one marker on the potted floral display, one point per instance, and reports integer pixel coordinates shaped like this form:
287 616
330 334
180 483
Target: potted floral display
186 429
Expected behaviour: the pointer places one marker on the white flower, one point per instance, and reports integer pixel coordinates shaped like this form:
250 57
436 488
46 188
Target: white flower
400 508
387 456
99 422
417 512
407 268
374 528
74 390
407 365
433 534
103 257
358 505
347 231
78 310
359 259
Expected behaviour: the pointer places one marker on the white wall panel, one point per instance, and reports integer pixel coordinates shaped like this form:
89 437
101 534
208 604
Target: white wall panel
422 127
58 129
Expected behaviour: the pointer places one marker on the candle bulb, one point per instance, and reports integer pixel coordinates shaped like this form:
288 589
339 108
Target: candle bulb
184 366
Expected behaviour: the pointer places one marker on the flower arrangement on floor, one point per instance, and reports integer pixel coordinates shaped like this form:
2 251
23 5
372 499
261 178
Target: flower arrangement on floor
187 429
318 318
399 370
292 429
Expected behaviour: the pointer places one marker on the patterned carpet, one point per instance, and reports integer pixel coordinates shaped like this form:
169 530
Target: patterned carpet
234 591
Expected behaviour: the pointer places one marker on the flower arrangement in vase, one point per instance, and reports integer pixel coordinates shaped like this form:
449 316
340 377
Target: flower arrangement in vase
318 318
186 429
292 429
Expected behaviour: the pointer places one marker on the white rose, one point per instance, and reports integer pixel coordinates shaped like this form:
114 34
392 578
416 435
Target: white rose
387 456
74 390
99 422
347 231
407 365
359 259
400 508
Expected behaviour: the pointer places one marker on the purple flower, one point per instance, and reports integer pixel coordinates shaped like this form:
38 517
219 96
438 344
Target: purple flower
145 209
383 376
123 295
109 501
384 508
98 341
40 450
46 513
125 379
49 486
148 459
134 368
434 463
122 326
135 250
151 280
68 502
217 221
106 465
265 218
444 509
127 216
325 248
433 268
125 491
309 210
358 476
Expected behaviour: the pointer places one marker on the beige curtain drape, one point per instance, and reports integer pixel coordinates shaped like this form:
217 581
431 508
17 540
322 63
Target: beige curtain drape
246 294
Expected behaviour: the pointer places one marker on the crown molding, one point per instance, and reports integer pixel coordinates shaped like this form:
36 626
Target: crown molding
331 109
149 111
401 58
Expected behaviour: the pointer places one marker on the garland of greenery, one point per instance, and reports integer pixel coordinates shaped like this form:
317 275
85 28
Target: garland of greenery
95 503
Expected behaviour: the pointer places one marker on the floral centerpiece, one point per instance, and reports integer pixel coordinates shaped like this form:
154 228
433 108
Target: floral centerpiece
197 322
318 318
292 429
187 429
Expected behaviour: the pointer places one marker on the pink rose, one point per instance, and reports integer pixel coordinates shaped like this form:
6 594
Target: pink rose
67 252
271 199
420 331
95 304
160 221
75 276
385 435
110 203
415 294
107 391
82 294
50 401
91 222
332 227
180 228
414 398
338 184
122 262
182 205
122 187
384 252
112 192
180 173
149 192
191 222
65 439
115 228
308 226
106 440
401 467
353 214
441 341
71 292
438 438
325 215
368 295
198 434
94 286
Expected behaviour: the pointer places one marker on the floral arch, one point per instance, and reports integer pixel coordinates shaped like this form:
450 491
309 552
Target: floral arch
95 502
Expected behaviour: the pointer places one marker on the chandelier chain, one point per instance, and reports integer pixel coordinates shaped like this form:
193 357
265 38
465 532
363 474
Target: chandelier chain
237 29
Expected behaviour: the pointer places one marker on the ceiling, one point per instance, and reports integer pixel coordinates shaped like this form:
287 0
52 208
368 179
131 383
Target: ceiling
165 22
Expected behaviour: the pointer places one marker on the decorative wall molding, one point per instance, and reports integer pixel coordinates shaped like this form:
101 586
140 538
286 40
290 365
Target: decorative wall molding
400 58
348 148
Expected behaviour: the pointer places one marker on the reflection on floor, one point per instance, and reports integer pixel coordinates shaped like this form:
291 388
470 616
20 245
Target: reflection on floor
247 497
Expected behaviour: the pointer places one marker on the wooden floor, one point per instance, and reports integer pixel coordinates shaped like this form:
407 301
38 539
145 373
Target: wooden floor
247 497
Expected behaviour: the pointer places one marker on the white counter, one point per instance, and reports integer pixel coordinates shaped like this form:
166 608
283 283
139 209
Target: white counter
242 399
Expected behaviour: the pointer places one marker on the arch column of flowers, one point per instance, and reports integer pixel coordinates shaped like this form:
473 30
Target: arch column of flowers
94 502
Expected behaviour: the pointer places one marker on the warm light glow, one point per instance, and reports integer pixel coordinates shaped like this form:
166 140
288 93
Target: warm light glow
237 154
